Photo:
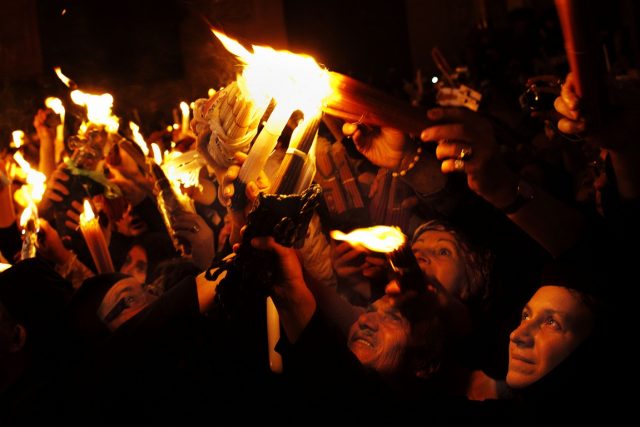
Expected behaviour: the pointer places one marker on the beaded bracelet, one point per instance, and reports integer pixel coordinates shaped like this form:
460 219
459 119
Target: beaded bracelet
403 172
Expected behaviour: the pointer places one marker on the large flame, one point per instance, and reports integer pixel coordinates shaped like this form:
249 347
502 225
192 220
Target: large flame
380 238
34 190
98 108
292 79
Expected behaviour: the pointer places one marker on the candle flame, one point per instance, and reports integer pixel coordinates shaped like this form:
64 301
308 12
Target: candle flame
98 108
4 266
31 211
34 190
17 138
211 92
138 138
87 213
157 154
66 80
55 104
184 107
289 78
380 238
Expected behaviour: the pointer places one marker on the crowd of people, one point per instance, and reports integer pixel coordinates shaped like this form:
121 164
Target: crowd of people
514 315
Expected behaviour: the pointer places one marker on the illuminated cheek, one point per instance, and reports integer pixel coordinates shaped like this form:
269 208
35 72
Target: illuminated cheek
552 353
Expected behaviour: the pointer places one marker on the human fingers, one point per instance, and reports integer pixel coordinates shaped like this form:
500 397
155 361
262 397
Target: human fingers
449 149
569 93
571 126
443 132
560 105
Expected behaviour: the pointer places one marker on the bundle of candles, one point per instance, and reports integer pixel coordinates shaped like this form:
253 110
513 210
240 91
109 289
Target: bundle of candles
227 123
390 241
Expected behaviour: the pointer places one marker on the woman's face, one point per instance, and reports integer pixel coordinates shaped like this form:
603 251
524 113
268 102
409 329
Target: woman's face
554 322
441 259
380 337
136 264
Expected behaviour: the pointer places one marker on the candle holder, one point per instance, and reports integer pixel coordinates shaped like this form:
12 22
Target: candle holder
251 272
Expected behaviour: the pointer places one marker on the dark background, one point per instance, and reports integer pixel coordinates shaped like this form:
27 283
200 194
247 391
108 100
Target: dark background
153 54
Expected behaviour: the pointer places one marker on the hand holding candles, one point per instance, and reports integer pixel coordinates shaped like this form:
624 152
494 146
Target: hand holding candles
95 240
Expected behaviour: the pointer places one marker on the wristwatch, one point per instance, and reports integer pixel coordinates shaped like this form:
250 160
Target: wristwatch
524 194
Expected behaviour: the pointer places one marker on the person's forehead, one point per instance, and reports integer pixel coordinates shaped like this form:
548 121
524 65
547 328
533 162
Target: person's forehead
431 236
558 299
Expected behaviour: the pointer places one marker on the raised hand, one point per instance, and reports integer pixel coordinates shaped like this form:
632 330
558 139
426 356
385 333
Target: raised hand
192 228
466 143
384 147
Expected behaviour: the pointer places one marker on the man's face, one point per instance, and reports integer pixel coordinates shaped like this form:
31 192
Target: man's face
124 300
554 322
380 337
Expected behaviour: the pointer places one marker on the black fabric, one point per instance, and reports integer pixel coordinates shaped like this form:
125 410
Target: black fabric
82 313
10 241
36 297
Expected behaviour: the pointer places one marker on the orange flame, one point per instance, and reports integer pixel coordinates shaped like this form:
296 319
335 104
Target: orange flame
66 80
87 214
34 190
138 138
31 211
17 138
55 104
380 238
292 79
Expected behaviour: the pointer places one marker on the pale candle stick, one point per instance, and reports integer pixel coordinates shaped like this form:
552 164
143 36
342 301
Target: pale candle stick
94 238
184 128
56 105
265 143
273 336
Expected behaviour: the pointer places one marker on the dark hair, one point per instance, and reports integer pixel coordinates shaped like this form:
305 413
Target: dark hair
158 248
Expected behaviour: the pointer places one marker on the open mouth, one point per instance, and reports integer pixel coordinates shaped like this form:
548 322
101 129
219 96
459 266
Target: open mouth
363 340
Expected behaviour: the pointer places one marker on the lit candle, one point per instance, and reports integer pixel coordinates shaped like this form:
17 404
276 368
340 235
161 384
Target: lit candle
94 238
273 336
184 128
30 225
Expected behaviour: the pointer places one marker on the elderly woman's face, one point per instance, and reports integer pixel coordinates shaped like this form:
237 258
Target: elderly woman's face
380 337
441 259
